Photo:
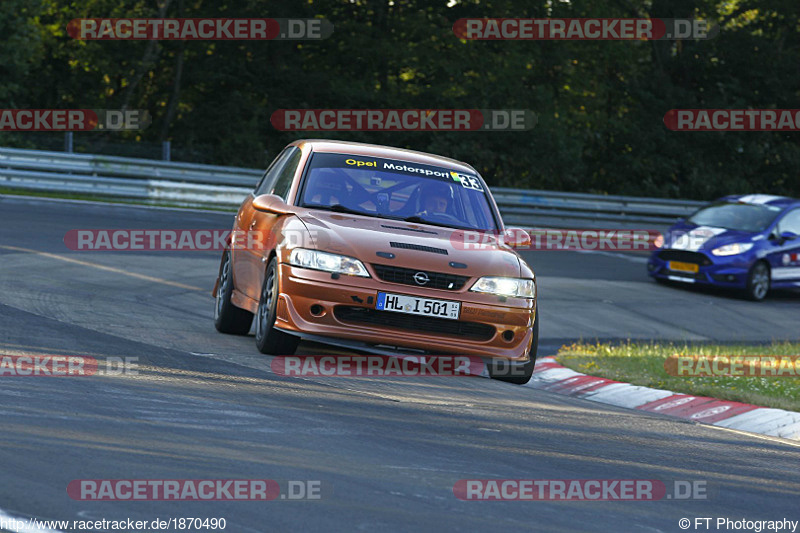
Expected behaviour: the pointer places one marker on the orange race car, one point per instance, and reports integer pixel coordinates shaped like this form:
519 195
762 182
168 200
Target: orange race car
363 246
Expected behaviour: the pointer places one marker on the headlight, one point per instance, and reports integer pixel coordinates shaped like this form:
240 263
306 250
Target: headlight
522 288
340 264
732 249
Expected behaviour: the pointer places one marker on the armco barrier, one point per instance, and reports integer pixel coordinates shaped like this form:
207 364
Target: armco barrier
122 177
216 186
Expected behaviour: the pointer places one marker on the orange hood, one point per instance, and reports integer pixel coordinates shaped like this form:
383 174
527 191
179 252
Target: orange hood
414 245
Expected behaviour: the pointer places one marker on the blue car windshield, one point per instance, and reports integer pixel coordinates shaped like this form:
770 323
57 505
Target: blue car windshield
736 216
398 190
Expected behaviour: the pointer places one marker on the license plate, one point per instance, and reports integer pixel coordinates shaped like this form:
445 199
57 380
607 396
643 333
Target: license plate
677 266
414 305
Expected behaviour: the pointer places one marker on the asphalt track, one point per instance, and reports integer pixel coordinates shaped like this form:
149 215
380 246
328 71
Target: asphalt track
387 451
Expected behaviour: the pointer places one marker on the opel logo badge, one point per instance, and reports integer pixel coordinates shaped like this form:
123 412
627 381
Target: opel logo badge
421 278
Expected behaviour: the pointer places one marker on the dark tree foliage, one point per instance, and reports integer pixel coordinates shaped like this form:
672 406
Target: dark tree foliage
600 104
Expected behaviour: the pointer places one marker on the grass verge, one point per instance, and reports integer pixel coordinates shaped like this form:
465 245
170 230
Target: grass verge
643 364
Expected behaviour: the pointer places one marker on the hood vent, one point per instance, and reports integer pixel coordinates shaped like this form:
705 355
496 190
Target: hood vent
418 247
409 229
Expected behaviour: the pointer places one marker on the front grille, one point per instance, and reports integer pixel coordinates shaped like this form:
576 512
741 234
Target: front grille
684 257
366 315
418 247
437 280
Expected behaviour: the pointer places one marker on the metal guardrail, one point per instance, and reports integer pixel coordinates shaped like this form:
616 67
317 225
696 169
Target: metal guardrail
548 208
216 186
123 177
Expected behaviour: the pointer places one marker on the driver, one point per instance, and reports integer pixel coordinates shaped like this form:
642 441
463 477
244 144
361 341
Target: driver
328 188
435 198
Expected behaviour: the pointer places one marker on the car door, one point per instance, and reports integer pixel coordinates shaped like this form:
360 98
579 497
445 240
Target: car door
243 265
784 258
278 181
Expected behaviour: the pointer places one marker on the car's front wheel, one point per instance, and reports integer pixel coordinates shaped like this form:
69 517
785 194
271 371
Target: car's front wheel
518 375
758 281
268 339
227 317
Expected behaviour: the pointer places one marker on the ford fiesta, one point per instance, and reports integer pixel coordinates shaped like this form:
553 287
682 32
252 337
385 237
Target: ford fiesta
747 242
362 246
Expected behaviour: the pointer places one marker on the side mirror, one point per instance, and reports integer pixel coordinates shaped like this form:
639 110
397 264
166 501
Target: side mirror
269 203
787 236
517 238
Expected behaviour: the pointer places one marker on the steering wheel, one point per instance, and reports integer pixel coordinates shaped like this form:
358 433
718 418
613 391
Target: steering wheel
444 217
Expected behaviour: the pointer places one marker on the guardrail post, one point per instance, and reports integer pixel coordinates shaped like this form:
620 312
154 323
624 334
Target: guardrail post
68 142
165 150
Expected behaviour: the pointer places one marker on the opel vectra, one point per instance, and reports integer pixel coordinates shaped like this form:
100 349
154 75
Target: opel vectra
362 246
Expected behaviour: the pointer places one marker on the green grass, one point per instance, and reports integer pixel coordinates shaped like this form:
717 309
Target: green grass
643 364
106 199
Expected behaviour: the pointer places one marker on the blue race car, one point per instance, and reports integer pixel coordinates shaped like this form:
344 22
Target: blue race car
747 242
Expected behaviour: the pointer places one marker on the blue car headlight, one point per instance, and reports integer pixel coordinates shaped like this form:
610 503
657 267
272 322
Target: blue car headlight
732 249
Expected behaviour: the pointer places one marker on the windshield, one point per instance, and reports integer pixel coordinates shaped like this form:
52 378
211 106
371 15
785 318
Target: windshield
736 216
397 190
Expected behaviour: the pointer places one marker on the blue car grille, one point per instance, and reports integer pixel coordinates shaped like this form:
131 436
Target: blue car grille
684 257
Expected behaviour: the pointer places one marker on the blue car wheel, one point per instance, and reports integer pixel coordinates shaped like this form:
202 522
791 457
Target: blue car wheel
758 281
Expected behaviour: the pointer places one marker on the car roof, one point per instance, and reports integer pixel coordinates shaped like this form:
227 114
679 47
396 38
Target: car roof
385 152
762 199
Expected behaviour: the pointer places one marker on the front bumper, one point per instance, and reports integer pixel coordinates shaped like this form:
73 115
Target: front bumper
729 271
315 303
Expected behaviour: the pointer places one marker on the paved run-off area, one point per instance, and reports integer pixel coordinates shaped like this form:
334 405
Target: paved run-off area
388 451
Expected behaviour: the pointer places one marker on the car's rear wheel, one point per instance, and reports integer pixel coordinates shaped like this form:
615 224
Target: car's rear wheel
758 281
518 375
227 317
268 339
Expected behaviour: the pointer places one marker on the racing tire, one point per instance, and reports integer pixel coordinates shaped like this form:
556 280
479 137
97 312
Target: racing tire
227 317
269 340
758 281
519 375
